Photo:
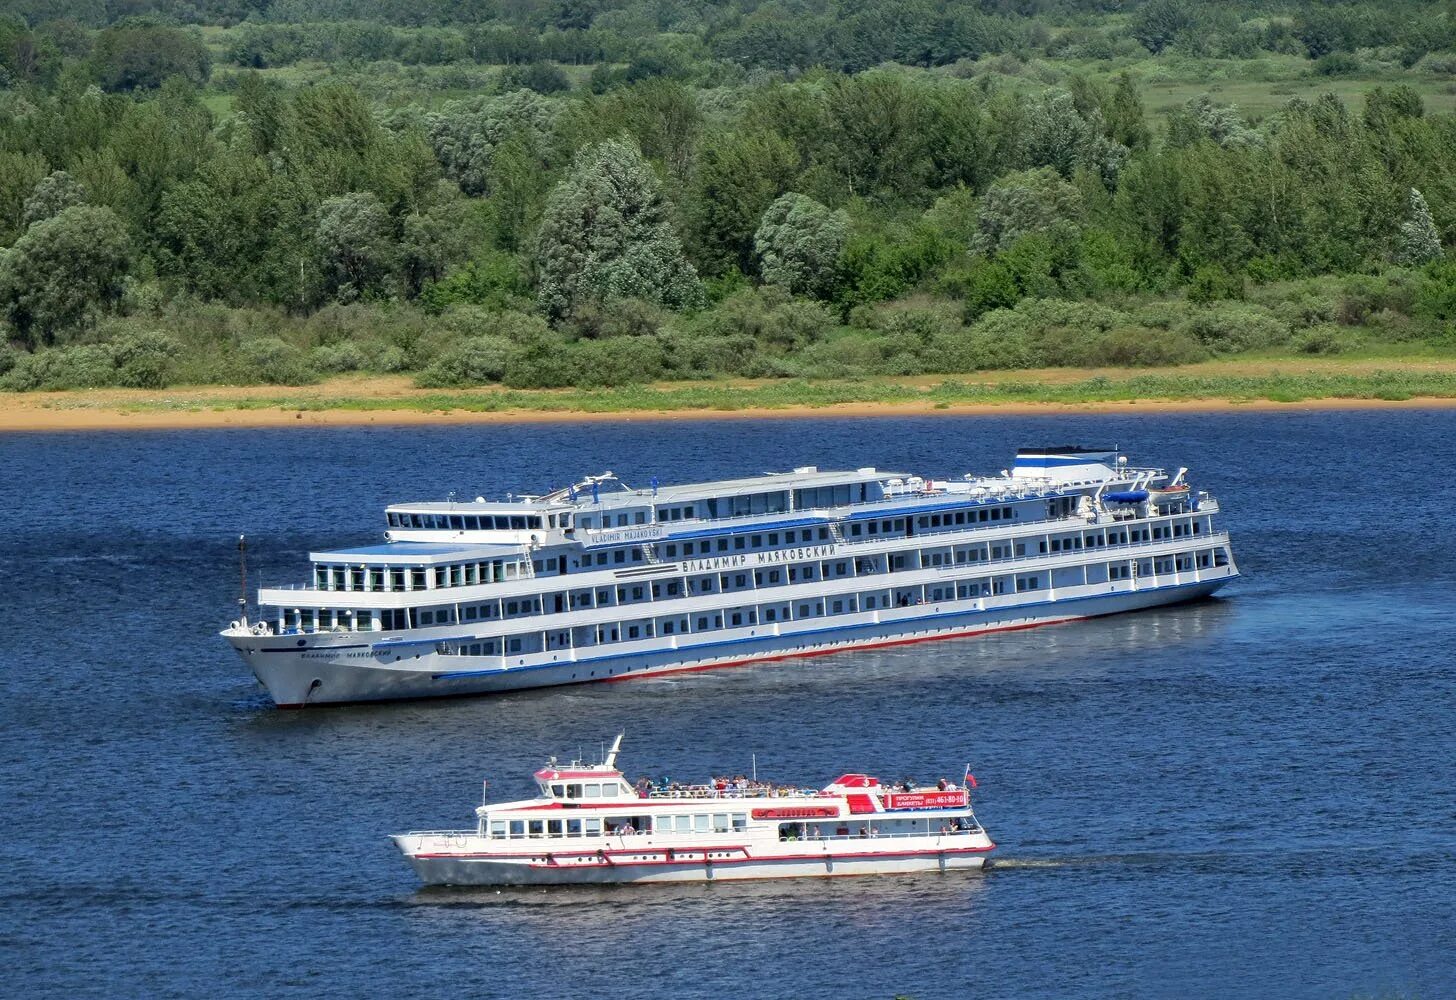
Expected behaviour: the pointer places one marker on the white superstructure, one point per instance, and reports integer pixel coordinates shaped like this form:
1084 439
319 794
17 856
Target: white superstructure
599 581
589 825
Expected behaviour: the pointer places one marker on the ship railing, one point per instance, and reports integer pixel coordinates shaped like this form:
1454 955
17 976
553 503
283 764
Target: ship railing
1211 537
730 792
974 828
1032 489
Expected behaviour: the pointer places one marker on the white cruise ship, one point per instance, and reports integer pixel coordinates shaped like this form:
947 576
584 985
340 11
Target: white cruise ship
599 581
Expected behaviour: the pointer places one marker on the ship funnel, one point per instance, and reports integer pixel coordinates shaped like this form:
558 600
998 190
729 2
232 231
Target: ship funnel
611 760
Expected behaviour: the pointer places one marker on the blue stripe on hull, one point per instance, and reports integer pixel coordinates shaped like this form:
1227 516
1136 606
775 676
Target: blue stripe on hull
787 644
294 682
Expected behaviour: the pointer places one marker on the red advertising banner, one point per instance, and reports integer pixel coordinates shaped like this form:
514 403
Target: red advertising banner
927 800
797 812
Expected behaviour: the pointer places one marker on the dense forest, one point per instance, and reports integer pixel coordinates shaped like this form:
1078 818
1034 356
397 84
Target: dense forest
591 192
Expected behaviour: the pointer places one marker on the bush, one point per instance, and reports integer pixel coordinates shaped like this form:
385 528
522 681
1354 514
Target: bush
337 358
619 361
1324 339
1228 328
695 355
769 316
1213 282
617 318
1135 346
272 361
473 361
85 366
144 360
1337 64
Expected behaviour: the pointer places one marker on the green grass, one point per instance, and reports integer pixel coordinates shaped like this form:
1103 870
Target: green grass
710 396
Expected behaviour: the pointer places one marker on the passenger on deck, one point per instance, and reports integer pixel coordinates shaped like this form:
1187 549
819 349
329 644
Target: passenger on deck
942 784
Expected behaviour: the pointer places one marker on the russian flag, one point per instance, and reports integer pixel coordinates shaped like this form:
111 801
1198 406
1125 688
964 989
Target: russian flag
971 778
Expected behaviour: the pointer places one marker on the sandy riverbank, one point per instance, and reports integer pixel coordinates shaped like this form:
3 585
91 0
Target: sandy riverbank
1275 386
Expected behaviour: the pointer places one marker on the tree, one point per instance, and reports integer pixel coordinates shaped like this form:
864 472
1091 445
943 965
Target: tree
1418 242
1058 136
62 271
605 235
465 134
54 194
799 242
141 56
1033 201
738 176
356 245
1158 23
1200 120
1126 119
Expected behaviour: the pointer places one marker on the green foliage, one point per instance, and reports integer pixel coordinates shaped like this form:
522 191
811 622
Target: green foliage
1436 297
1032 201
140 56
357 253
799 242
494 279
273 361
1227 328
53 194
144 360
1418 241
606 234
472 361
63 272
1213 282
331 192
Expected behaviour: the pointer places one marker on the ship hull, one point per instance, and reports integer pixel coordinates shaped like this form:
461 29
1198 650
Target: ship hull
330 669
810 860
345 668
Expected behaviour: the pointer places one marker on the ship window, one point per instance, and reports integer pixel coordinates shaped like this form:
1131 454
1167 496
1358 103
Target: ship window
740 821
593 827
720 822
553 827
683 824
700 823
558 790
671 551
592 791
536 827
619 556
518 828
573 791
573 828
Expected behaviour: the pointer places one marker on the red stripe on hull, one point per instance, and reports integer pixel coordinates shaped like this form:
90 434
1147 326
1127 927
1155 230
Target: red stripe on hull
695 862
877 644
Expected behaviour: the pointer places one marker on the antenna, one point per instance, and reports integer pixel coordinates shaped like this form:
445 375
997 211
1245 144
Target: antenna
243 580
611 759
755 768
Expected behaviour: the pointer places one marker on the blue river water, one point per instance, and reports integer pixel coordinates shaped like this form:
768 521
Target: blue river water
1249 796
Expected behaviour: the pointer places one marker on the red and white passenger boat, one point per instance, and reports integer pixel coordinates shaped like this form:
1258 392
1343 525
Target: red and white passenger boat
590 825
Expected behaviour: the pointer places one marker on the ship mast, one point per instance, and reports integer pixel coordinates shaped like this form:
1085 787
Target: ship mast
243 581
611 758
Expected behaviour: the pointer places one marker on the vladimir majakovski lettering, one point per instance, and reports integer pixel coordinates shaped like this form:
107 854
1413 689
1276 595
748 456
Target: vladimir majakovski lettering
758 558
